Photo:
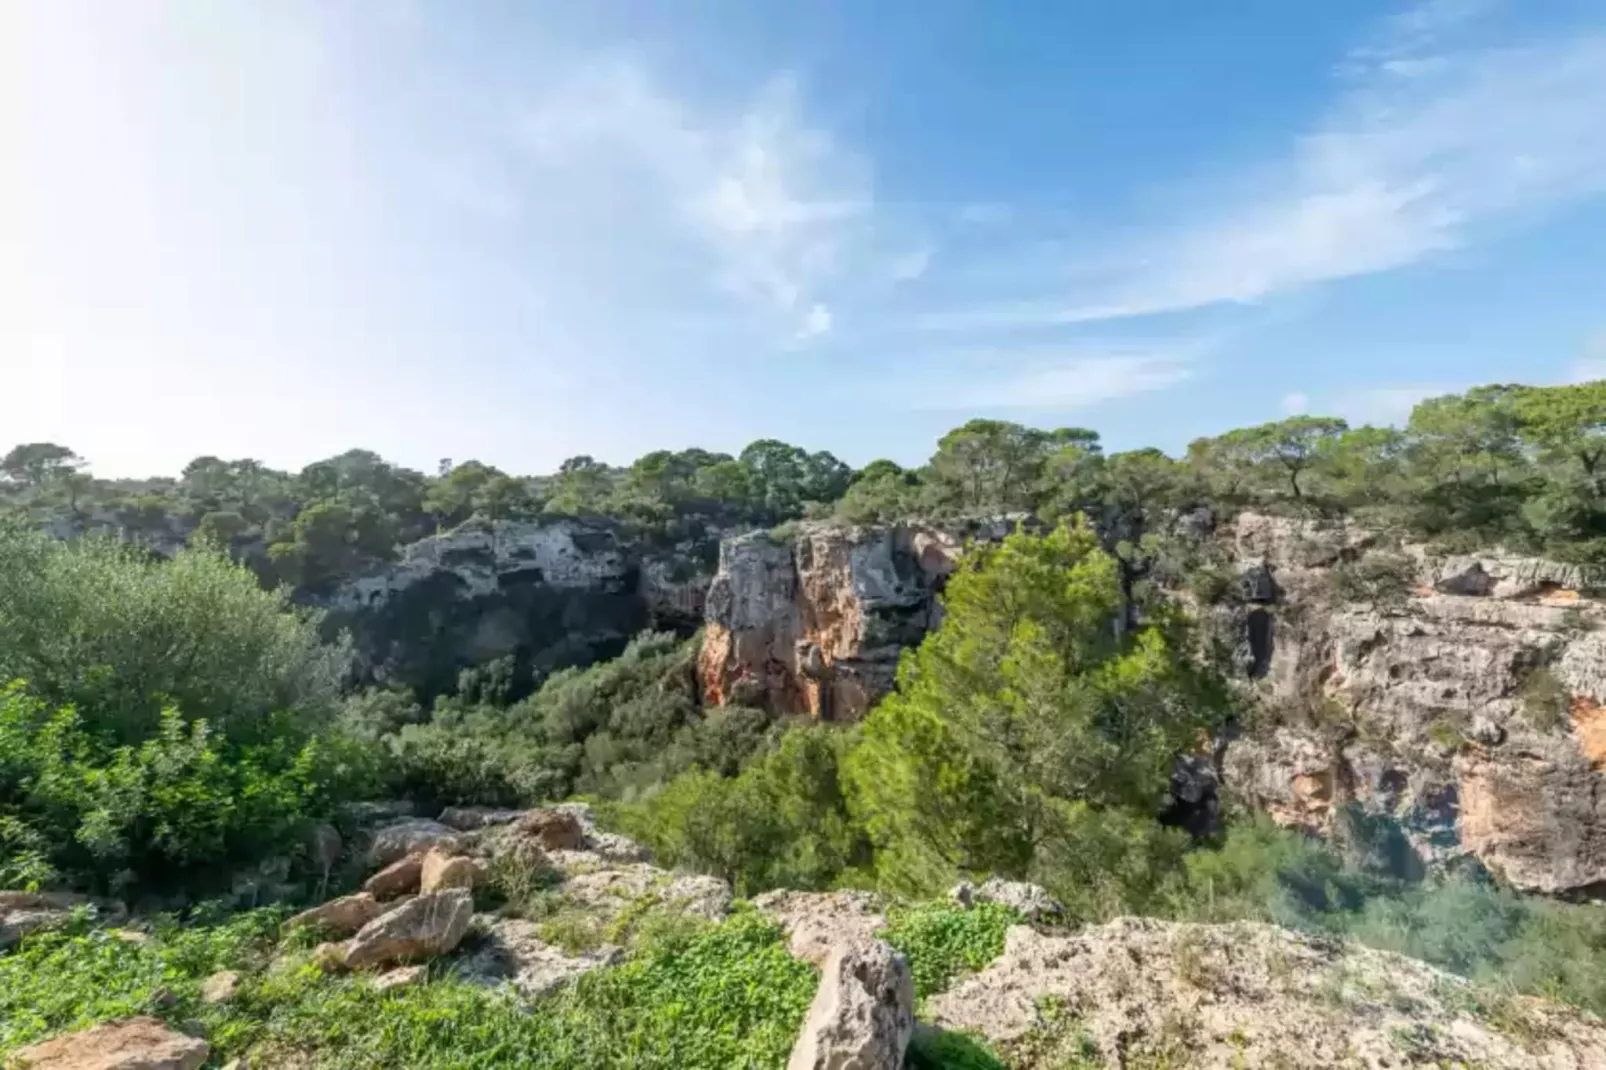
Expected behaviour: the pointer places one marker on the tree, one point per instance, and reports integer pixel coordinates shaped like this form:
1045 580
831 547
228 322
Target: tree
1294 445
1026 705
35 463
451 499
583 487
1566 425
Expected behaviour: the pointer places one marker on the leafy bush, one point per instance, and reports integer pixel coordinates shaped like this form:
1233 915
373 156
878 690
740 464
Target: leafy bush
781 822
183 801
945 940
94 625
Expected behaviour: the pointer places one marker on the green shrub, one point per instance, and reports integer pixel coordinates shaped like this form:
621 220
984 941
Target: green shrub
94 625
183 804
782 822
1546 702
944 940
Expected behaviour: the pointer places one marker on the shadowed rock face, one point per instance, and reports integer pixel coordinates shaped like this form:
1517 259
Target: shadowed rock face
814 624
549 594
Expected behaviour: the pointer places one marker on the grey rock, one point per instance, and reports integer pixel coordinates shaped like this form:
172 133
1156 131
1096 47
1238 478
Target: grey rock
863 1012
816 922
1032 901
473 818
393 842
1248 995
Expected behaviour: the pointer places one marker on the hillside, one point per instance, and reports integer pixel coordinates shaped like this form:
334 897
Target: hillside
1286 753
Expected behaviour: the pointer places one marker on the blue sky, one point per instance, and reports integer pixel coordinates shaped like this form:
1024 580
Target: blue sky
519 231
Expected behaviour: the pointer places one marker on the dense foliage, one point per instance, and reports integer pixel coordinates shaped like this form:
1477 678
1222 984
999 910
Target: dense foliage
159 723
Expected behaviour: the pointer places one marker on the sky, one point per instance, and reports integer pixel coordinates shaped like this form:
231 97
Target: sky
520 230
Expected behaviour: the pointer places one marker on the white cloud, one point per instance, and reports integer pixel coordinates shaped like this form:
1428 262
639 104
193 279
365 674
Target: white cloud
1386 406
817 322
774 202
1295 404
1428 146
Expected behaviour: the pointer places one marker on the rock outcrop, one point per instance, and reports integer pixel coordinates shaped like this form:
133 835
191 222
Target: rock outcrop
420 928
1461 696
863 1012
131 1044
22 913
548 593
813 623
1140 992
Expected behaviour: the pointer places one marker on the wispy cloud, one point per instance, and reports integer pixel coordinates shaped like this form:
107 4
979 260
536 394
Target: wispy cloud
1429 145
771 198
1592 365
1060 378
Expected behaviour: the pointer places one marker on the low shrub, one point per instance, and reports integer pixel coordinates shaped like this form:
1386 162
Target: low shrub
185 804
945 940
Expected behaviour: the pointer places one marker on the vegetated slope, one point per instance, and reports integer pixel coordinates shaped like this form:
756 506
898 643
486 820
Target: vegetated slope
185 739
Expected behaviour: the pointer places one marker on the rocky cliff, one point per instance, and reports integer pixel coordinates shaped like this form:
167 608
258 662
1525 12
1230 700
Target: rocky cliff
1462 696
549 593
813 623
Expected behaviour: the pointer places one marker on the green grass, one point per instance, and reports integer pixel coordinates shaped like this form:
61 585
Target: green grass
944 940
723 996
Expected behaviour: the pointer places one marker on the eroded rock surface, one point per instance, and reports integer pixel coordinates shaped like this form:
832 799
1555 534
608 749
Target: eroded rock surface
1141 992
549 593
22 913
814 623
817 922
863 1012
1460 696
513 952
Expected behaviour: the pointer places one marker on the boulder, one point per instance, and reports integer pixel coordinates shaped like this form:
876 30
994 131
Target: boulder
341 916
863 1012
441 870
474 818
398 878
554 829
24 912
220 987
1145 992
398 840
423 927
1035 904
331 957
131 1044
324 846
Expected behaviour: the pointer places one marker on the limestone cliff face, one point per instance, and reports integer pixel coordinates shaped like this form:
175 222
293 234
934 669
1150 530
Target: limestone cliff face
814 623
1463 696
549 593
